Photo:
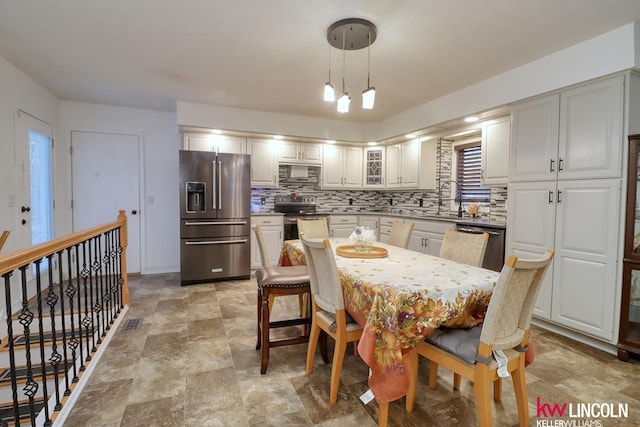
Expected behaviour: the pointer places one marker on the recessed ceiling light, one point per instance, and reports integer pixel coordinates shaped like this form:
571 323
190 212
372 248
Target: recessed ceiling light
278 136
330 141
216 131
410 135
372 143
471 119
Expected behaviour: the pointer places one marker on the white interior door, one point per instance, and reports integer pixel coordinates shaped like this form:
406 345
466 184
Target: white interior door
106 179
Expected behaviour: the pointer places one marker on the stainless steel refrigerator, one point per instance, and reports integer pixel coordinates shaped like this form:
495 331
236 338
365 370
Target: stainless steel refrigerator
215 223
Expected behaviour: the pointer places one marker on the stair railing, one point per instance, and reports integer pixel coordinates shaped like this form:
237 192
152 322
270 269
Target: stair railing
61 299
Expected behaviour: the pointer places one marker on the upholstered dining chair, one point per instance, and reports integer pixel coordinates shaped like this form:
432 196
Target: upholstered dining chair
400 234
274 281
3 237
466 248
313 228
470 352
328 313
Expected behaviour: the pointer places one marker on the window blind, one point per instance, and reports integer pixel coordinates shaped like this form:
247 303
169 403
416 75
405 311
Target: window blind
468 170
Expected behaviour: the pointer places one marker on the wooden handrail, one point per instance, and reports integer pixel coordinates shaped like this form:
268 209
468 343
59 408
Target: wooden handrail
3 238
18 258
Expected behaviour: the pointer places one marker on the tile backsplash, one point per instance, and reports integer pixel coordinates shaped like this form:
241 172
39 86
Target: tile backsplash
400 202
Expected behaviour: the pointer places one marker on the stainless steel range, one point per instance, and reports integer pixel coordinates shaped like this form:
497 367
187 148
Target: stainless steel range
294 207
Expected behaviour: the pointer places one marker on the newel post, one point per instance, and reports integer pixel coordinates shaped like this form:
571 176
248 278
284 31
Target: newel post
124 242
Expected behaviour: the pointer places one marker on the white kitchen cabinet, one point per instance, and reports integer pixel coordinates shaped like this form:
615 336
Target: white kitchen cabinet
427 236
374 162
341 167
342 225
579 220
264 167
292 152
573 134
385 228
411 164
272 226
369 221
211 142
495 152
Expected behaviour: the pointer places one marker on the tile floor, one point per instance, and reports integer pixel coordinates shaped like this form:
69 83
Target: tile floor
193 363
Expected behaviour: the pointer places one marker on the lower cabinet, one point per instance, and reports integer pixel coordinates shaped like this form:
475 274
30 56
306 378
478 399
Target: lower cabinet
272 231
342 225
427 236
579 220
385 228
369 221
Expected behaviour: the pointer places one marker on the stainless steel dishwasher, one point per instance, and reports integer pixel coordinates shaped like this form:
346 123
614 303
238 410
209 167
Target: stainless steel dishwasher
494 255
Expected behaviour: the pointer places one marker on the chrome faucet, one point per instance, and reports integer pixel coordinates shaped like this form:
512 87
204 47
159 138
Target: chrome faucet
459 193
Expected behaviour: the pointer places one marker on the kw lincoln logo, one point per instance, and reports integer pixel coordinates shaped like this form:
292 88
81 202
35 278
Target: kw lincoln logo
578 414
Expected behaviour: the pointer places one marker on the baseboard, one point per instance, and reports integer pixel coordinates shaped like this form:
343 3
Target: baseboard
576 336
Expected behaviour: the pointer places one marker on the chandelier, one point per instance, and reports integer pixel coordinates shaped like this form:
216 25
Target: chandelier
351 34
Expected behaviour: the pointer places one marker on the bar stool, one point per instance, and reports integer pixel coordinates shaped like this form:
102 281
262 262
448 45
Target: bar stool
274 281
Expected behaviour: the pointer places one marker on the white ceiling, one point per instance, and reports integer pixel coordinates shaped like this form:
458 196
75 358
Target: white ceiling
272 55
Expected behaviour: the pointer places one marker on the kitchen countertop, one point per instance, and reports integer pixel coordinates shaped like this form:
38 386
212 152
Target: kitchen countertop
266 213
481 222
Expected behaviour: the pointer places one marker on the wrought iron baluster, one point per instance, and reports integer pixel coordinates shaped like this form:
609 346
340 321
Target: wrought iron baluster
100 297
56 357
119 269
43 364
63 314
87 321
70 292
93 290
12 355
109 277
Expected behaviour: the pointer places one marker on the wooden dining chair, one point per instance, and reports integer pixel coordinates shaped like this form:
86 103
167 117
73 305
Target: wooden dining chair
469 352
274 281
467 248
3 238
400 233
328 313
314 228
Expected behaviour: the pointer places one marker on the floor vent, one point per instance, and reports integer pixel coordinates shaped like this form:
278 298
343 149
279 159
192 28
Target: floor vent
132 325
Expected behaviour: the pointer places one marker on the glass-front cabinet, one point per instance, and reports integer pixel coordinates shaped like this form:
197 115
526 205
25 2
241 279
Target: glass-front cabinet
629 339
374 167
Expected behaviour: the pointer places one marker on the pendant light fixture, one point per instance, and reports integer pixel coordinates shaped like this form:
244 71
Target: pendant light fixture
351 34
344 100
369 94
329 93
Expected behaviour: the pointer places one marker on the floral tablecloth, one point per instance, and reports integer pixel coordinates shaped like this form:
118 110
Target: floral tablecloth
399 300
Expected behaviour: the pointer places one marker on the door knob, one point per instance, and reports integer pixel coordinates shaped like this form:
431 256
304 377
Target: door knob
26 209
133 212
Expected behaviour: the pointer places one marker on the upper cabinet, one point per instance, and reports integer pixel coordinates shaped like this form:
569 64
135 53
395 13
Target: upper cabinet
211 142
300 152
342 167
574 134
411 165
264 167
495 152
374 167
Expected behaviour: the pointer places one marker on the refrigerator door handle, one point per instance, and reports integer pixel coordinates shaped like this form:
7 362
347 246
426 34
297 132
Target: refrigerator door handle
213 187
216 242
216 223
220 183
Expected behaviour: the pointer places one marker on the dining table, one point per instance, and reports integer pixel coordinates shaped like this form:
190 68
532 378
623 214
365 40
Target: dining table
400 297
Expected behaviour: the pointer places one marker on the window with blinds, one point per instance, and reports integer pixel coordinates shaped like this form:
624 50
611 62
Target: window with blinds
468 169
